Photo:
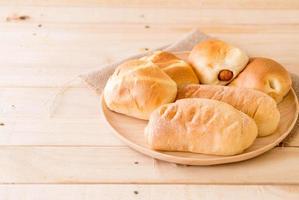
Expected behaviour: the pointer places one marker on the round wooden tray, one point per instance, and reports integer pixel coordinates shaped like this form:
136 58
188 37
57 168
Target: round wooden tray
130 130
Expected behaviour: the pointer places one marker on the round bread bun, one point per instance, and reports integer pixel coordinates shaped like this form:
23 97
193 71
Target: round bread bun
178 70
217 62
265 75
137 87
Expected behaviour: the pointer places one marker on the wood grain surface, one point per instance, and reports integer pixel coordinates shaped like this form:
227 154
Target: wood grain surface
64 147
149 192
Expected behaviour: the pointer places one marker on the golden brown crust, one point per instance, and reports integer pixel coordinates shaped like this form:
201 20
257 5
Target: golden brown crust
162 57
200 126
178 70
138 87
267 76
214 51
212 56
261 107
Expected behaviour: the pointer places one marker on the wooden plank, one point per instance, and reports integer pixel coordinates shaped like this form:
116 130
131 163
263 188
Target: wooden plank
122 165
59 40
29 119
32 116
40 103
148 192
57 132
92 37
157 15
231 4
72 54
73 30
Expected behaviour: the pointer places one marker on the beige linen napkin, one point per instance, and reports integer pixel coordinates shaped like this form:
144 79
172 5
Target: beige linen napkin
96 80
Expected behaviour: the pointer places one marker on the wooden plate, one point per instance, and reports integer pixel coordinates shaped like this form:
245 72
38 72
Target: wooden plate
130 130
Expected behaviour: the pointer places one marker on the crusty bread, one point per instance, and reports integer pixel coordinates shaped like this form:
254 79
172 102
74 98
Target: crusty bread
261 107
200 126
216 62
267 76
138 87
180 71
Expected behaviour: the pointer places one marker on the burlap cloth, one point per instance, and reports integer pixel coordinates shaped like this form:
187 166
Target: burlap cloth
96 80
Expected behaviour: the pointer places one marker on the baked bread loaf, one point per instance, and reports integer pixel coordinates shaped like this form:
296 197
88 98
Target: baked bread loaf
200 126
216 62
267 76
138 87
261 107
179 70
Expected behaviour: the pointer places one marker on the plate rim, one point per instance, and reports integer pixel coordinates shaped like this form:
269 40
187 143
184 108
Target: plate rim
195 161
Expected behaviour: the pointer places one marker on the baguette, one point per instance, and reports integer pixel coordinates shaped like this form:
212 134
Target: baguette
258 105
200 126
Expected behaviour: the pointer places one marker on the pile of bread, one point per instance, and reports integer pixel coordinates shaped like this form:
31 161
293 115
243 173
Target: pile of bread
218 102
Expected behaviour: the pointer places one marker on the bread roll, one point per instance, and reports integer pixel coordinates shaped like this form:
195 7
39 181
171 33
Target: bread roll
138 87
216 62
267 76
180 71
261 107
200 126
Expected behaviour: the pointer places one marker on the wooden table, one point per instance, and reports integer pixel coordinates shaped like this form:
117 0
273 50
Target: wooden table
66 151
